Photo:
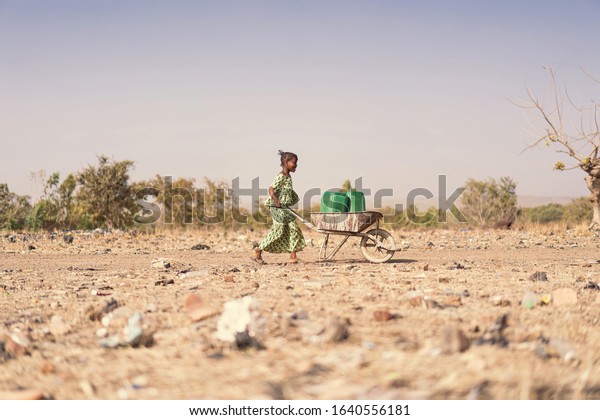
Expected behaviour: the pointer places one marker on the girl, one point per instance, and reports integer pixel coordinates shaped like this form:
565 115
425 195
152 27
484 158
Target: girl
284 235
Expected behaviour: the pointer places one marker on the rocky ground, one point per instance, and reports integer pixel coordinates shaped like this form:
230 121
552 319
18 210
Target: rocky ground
455 315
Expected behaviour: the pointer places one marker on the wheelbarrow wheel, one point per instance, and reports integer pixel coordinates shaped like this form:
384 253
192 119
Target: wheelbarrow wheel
373 252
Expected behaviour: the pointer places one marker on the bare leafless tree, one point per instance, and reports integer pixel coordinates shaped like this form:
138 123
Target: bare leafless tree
571 129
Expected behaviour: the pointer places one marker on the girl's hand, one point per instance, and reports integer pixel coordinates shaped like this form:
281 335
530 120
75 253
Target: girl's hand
276 202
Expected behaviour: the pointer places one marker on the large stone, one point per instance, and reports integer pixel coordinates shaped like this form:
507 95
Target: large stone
564 297
240 316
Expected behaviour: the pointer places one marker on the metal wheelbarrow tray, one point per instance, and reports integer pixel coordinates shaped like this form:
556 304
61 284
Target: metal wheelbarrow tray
345 222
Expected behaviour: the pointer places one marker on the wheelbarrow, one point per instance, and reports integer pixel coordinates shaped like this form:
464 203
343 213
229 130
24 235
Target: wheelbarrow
377 245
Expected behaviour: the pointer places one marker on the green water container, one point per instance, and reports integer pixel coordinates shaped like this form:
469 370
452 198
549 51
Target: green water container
356 201
332 201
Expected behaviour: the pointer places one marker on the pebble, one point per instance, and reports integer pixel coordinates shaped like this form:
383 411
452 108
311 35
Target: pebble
500 300
333 330
17 344
454 340
317 284
539 276
416 301
58 326
198 308
160 263
383 316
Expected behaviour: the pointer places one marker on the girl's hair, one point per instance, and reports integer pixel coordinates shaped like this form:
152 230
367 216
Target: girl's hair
285 156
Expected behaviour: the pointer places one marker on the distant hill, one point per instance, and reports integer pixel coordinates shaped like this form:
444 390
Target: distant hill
535 201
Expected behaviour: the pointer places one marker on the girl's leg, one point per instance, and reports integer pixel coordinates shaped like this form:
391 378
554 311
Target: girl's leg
293 257
257 254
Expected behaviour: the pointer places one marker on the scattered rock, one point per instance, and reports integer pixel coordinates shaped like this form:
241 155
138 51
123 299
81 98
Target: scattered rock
16 344
200 247
229 278
456 266
318 283
110 306
556 347
416 301
564 297
31 247
539 276
333 330
383 316
240 316
453 340
161 263
591 285
244 340
494 334
449 301
135 333
95 314
164 282
199 309
58 326
68 239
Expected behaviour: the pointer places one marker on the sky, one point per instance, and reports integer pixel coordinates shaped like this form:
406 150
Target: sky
396 92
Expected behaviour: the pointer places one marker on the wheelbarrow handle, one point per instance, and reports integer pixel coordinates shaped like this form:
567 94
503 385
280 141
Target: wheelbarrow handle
306 222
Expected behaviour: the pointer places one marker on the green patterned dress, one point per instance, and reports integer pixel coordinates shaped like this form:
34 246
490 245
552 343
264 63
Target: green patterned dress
284 235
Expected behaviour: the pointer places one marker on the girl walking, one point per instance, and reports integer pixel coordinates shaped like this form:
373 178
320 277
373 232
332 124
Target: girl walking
284 235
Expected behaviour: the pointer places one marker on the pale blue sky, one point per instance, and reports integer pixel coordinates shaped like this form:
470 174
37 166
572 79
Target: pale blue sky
397 92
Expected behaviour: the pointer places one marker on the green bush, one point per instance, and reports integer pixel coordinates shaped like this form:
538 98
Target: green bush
490 203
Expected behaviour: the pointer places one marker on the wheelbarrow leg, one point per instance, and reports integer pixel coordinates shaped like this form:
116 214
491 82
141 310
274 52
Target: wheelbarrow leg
323 251
323 255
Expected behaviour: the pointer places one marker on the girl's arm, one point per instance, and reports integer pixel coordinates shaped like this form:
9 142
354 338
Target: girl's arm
274 197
